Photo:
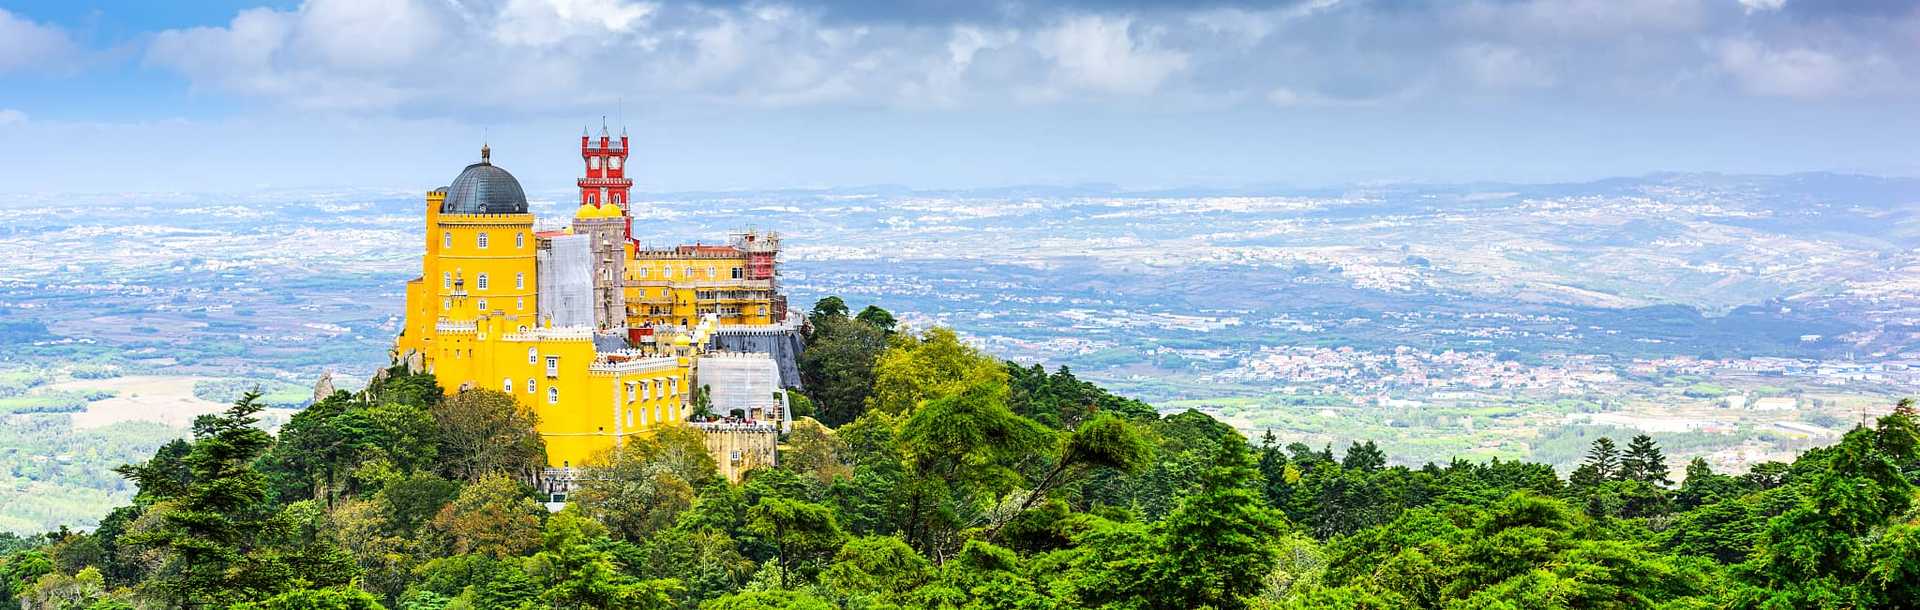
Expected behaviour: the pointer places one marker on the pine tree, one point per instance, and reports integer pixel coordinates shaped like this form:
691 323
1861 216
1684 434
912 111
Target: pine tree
1644 462
1604 457
1365 457
1220 543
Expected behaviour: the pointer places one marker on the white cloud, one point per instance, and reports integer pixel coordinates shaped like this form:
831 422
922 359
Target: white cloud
1503 66
1763 6
542 55
1796 72
9 116
25 44
546 22
1105 54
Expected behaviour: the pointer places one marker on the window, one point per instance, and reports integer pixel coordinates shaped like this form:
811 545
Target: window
689 272
483 304
553 397
506 385
519 281
482 283
673 384
530 387
712 273
629 387
645 392
593 162
617 199
519 240
446 279
643 272
446 239
533 356
553 366
629 418
520 304
446 303
613 162
736 273
483 240
666 272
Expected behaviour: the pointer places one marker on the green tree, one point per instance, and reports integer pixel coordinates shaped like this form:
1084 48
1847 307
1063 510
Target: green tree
915 369
202 537
837 367
494 516
485 432
1219 544
803 533
579 571
878 318
647 482
1604 457
880 567
1644 462
316 599
828 307
1365 457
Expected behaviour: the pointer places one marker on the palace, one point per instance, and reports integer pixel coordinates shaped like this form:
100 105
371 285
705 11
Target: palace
601 336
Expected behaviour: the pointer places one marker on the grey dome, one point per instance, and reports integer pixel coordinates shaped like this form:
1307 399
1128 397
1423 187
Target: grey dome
484 188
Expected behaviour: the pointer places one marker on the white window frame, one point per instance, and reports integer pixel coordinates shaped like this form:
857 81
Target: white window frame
519 281
482 240
553 395
533 355
446 239
446 280
519 239
553 366
531 386
481 282
506 385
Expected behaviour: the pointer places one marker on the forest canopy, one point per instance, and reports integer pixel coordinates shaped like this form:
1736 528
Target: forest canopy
932 475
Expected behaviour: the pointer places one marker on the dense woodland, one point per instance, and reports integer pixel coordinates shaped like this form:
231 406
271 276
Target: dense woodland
930 475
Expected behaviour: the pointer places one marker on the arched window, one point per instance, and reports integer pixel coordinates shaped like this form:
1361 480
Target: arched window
519 281
519 240
446 279
553 395
506 385
530 387
520 304
533 357
446 239
483 307
482 283
483 240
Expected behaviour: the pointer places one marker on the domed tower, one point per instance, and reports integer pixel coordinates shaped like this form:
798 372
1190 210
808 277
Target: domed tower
479 262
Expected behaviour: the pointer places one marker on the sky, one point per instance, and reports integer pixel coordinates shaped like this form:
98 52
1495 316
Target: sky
231 96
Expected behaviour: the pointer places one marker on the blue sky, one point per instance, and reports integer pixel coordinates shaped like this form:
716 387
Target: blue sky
214 96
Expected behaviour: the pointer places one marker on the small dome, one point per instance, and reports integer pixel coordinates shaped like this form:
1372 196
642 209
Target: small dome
484 188
588 210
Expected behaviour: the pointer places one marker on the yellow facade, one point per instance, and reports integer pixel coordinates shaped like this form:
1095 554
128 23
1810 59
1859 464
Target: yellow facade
676 286
473 320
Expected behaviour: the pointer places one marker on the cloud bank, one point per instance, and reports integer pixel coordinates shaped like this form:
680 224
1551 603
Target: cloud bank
540 55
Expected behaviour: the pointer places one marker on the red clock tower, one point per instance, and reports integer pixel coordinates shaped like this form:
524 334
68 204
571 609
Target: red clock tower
606 180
